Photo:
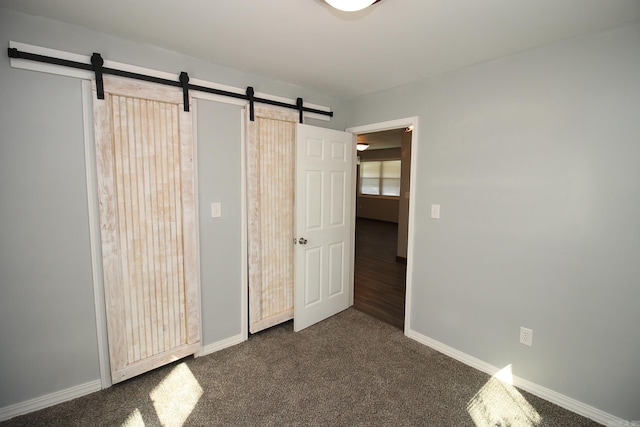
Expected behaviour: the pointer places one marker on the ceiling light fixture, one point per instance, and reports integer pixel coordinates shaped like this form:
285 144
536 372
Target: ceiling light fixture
351 5
362 147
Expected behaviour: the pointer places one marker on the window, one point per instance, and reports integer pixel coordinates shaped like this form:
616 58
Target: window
380 177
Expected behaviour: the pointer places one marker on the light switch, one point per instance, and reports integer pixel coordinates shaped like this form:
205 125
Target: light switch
435 211
216 210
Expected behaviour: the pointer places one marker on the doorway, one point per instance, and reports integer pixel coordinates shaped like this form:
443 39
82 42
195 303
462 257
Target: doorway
383 218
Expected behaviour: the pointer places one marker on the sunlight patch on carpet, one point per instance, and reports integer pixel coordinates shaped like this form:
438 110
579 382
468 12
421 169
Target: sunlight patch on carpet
134 420
176 396
499 403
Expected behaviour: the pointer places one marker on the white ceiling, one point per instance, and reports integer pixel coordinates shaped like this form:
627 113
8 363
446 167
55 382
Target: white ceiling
305 42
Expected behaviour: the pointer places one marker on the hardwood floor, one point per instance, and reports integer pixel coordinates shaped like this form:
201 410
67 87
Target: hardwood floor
379 283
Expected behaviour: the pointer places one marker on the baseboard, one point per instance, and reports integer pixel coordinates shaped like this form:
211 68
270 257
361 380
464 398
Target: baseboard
538 390
93 386
49 400
220 345
535 389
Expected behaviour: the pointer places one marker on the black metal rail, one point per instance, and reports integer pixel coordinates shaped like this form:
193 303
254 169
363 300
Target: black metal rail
97 67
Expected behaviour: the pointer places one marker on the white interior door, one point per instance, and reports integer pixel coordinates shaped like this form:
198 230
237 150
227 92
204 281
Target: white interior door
324 197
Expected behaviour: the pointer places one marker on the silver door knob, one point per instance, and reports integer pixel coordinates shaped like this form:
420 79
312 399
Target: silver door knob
302 241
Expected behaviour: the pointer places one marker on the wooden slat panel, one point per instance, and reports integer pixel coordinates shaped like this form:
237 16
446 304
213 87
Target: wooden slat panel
154 281
147 236
191 267
169 234
276 194
123 197
152 236
271 167
176 224
115 296
164 221
148 215
137 254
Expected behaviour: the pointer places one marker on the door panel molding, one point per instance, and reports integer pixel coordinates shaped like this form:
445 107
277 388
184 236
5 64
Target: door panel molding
324 178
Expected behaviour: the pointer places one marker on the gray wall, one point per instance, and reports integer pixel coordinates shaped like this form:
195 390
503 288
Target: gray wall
219 178
533 157
48 337
47 316
535 160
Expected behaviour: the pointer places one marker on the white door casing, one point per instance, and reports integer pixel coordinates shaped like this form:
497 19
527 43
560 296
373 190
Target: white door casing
408 122
148 223
324 227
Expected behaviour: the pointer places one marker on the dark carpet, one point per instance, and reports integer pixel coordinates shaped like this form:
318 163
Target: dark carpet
350 370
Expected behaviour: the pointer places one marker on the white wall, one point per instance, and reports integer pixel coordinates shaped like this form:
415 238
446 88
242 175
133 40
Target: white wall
535 161
48 341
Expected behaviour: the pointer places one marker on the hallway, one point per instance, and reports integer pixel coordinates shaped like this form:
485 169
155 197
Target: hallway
379 284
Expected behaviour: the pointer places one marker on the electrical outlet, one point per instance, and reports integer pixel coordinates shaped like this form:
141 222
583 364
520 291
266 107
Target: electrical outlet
526 336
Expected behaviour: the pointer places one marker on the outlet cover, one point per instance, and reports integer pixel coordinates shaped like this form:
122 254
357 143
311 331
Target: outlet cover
526 336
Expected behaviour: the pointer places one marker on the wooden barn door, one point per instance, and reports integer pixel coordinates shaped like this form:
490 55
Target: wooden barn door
148 223
271 148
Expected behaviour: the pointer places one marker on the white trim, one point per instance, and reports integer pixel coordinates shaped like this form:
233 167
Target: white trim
306 114
453 353
193 105
533 388
244 256
222 344
94 234
49 400
395 124
26 64
354 201
382 126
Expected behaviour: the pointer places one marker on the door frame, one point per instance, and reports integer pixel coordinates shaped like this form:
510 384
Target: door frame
378 127
94 234
372 127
